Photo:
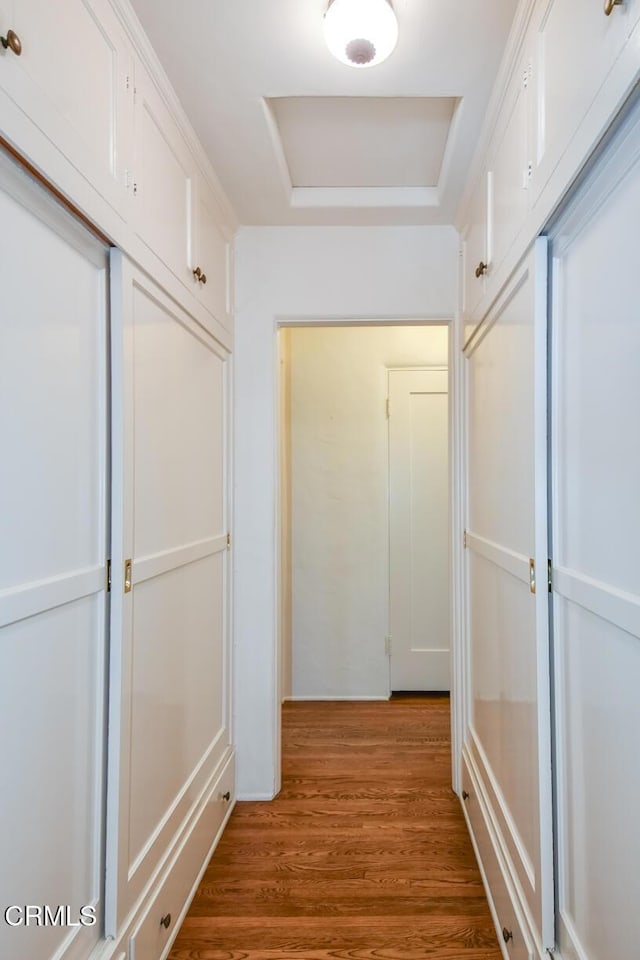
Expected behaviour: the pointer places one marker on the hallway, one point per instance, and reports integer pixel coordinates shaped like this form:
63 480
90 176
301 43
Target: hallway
364 853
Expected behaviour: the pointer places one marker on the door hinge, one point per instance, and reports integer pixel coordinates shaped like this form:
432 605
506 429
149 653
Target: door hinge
108 576
550 576
388 407
464 539
127 82
128 576
532 576
387 645
228 541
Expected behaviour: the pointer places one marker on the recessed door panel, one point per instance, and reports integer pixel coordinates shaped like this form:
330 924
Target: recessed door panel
177 686
178 431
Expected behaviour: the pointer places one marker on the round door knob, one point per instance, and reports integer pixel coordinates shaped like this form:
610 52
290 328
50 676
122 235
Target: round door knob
12 42
226 796
481 269
465 795
506 935
197 272
609 5
203 278
166 921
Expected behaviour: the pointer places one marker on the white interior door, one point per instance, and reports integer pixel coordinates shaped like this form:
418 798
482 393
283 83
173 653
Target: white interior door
53 522
596 559
419 529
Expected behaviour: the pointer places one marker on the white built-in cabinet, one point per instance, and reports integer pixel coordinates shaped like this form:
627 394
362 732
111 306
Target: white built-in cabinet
573 66
115 567
550 333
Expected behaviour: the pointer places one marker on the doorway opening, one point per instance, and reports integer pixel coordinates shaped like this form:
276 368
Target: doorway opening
364 538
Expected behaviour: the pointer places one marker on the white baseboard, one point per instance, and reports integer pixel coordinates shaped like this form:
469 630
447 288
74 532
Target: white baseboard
323 699
255 797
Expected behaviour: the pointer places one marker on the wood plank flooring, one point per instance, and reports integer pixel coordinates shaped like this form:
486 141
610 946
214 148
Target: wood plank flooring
364 854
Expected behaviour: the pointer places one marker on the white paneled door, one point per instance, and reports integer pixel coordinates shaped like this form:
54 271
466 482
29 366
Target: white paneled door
169 720
419 529
53 523
596 558
509 739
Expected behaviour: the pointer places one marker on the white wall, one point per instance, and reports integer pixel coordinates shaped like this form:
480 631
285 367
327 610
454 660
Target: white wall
340 501
302 274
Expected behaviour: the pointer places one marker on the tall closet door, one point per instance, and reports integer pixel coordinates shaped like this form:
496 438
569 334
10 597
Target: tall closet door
53 522
509 736
169 717
596 558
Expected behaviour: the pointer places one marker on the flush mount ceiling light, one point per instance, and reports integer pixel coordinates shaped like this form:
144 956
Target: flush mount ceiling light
360 33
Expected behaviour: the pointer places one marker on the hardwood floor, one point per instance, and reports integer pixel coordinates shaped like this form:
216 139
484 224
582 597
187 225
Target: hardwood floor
363 855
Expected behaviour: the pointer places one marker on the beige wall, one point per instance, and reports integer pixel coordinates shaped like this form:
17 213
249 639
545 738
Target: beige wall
340 501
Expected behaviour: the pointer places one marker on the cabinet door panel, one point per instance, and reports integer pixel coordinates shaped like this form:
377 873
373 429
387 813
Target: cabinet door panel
508 172
164 182
577 46
211 252
71 80
476 252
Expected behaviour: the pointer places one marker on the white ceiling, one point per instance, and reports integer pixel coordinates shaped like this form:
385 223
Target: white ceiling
298 138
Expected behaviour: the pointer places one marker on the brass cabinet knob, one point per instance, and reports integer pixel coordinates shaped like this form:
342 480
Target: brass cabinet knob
197 272
481 269
203 278
226 796
12 42
465 795
506 935
609 5
166 921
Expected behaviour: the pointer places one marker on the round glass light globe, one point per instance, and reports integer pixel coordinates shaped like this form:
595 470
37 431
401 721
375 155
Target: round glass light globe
361 33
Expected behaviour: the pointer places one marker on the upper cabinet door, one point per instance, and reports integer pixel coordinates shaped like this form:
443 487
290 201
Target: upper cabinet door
72 80
509 170
476 253
164 182
211 254
577 45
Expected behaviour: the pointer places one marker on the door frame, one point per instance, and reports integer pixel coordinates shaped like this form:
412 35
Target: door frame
456 468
